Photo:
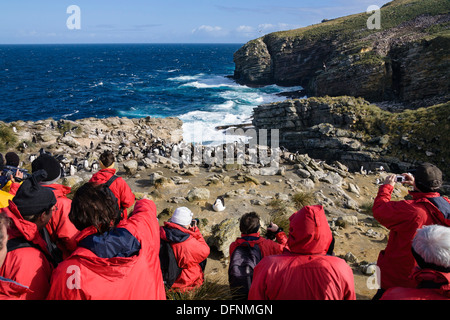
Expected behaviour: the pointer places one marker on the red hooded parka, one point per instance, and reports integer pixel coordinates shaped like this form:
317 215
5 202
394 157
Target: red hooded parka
402 218
119 187
304 271
122 264
420 276
267 247
27 266
190 249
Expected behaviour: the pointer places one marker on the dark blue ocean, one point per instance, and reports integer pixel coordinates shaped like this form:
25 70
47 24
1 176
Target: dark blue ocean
188 81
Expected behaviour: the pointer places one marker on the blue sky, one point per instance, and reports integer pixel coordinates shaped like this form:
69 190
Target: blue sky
164 21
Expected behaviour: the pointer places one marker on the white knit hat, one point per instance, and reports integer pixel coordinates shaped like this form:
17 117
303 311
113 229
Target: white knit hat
182 216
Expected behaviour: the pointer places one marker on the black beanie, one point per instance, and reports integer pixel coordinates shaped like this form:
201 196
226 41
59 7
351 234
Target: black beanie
12 159
49 164
31 198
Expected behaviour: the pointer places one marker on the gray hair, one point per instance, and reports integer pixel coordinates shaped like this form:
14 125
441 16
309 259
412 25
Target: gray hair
432 243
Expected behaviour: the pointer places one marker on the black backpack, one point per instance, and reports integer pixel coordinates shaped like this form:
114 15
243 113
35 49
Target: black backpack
240 271
442 205
169 265
113 196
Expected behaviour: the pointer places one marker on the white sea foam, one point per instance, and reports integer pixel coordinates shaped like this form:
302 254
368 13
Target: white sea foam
186 78
70 114
200 126
235 106
227 105
211 81
97 84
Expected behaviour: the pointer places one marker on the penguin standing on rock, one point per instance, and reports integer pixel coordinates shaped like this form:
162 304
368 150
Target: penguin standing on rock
219 204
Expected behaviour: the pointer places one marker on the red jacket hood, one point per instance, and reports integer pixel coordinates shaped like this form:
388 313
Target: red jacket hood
257 239
22 227
117 268
59 190
309 232
189 232
420 195
423 197
103 175
420 275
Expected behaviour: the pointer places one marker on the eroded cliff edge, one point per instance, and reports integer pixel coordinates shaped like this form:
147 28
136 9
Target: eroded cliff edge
407 60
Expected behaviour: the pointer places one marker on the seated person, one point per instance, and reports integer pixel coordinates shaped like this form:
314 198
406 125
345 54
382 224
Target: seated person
61 230
114 259
189 247
431 249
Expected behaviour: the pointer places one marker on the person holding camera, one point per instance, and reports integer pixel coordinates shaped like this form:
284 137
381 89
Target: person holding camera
11 176
251 247
403 218
249 225
189 247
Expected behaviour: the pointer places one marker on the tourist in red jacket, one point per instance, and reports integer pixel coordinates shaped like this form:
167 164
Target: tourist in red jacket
249 225
304 271
61 230
119 187
189 247
9 289
431 248
403 218
114 260
30 210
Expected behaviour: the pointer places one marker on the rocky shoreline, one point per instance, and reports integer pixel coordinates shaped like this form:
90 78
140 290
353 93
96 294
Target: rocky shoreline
145 149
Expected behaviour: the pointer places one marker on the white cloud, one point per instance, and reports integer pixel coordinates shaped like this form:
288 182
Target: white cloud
245 29
269 27
209 29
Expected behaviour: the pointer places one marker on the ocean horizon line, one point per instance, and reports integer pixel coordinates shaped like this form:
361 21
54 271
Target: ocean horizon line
128 43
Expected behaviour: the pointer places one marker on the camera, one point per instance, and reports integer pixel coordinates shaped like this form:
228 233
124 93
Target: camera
400 179
9 171
195 222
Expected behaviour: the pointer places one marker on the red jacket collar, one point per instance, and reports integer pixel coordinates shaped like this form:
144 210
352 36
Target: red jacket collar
172 225
103 175
241 240
59 190
420 275
421 195
85 232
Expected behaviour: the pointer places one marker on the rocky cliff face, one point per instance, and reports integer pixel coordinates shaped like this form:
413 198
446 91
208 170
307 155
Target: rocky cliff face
358 134
407 60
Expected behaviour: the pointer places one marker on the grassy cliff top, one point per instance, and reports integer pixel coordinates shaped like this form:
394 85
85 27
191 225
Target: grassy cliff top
422 134
393 14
